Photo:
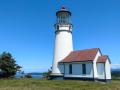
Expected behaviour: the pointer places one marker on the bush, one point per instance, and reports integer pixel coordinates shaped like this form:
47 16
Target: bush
28 76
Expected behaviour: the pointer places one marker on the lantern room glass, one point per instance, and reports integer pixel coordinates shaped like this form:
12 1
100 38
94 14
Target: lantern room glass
63 18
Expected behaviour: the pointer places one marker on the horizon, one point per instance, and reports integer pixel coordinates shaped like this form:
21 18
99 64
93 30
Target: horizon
27 29
117 69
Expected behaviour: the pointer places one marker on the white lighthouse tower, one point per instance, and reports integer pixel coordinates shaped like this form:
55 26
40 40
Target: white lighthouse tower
63 41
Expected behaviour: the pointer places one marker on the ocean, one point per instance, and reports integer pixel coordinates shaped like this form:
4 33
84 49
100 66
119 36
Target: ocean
34 75
37 76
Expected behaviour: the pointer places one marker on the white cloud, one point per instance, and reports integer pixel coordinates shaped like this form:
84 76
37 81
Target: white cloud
115 66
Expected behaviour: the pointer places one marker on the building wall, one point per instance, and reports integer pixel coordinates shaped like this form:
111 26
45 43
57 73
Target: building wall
108 70
63 46
95 66
61 68
77 70
101 70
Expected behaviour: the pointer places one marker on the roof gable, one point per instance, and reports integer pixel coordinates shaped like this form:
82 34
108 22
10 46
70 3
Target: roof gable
81 55
102 59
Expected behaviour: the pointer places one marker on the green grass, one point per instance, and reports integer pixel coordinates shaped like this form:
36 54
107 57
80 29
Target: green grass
42 84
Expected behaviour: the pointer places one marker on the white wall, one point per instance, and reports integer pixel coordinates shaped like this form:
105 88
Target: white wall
95 66
108 69
66 69
65 27
101 70
77 70
61 67
63 46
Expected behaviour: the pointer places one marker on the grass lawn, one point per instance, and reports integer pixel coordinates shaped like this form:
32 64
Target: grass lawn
42 84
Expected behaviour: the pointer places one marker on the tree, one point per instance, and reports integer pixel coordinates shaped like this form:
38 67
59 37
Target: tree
47 74
8 66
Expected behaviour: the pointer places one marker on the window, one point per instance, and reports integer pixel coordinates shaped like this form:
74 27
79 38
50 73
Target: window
70 68
84 68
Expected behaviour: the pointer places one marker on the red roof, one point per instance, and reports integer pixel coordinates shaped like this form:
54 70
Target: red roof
102 59
63 9
81 55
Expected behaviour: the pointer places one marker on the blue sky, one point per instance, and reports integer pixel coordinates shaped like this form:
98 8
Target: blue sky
27 29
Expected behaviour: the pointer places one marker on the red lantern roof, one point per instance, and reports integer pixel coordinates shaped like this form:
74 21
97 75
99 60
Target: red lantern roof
63 10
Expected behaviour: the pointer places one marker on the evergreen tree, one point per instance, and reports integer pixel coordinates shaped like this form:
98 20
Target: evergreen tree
8 66
47 74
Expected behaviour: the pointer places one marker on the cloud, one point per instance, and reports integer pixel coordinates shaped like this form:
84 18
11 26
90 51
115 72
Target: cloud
115 66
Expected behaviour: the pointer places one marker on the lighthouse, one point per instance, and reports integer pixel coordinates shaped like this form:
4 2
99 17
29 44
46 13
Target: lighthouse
88 64
63 41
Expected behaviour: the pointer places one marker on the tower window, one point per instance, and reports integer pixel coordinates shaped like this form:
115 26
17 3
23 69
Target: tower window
70 68
84 68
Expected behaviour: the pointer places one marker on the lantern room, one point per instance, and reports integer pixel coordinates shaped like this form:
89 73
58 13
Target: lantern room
63 17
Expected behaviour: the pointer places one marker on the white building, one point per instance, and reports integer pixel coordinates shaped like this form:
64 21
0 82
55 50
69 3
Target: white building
88 64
